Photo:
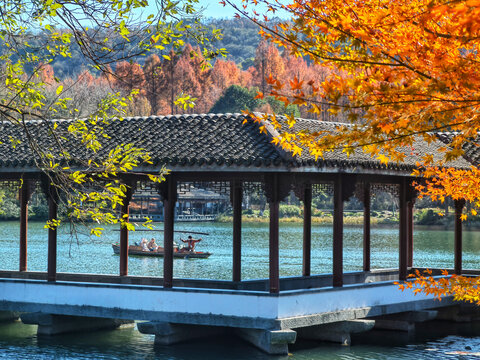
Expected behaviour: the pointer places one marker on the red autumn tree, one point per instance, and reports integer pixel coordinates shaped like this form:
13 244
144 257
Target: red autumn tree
129 76
154 76
268 62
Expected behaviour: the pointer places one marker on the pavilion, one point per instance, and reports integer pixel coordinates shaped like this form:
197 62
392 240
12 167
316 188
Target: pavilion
220 153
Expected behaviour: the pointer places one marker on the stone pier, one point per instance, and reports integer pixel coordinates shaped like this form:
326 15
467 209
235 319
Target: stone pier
50 324
8 316
338 332
404 321
273 342
169 333
460 313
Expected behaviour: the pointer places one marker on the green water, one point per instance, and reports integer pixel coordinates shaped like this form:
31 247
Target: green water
84 254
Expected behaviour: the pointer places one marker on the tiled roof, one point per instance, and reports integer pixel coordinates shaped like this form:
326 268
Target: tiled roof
412 153
193 141
471 148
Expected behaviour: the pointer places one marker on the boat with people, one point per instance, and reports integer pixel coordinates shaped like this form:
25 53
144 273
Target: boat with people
150 248
183 253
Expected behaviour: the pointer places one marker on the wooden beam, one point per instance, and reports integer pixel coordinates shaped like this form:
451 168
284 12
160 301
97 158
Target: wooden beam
307 231
125 213
403 241
338 231
52 194
169 201
459 204
237 194
366 227
24 196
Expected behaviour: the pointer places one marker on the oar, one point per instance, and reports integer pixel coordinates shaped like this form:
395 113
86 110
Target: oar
177 231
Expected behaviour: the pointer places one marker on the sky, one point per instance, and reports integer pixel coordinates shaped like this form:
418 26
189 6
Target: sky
213 9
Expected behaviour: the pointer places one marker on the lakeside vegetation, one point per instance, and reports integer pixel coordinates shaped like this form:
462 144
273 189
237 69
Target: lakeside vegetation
294 214
384 210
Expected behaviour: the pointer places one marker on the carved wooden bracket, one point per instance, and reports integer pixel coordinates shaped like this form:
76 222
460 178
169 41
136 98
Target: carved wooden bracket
131 187
168 188
277 187
49 188
26 189
236 185
348 187
300 188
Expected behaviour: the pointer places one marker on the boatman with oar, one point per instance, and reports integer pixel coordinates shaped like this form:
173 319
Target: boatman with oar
191 242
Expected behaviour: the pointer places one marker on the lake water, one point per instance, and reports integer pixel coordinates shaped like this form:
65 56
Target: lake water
85 254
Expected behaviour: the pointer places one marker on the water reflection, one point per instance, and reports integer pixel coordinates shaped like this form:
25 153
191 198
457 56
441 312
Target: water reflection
18 341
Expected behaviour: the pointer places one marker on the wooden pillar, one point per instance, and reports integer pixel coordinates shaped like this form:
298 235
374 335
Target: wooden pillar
403 227
410 205
124 213
274 202
459 204
25 193
338 232
366 227
169 200
52 195
307 231
237 194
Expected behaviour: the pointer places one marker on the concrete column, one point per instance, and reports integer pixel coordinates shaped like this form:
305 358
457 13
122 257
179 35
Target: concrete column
24 196
338 232
366 227
170 333
273 342
50 324
307 231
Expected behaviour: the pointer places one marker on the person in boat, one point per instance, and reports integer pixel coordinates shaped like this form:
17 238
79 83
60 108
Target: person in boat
191 242
144 244
152 246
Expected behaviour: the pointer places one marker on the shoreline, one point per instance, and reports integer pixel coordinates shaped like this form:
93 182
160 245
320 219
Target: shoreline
348 221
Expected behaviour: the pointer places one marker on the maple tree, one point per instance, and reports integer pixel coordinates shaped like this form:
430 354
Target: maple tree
398 71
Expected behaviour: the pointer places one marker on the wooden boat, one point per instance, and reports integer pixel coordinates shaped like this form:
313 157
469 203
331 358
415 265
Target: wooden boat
137 250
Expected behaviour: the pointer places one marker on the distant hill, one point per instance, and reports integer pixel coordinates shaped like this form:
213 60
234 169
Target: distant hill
240 38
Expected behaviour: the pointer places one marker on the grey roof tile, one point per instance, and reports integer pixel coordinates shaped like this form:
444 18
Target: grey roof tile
194 140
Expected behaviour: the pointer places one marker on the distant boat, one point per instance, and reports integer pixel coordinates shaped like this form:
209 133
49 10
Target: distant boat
137 250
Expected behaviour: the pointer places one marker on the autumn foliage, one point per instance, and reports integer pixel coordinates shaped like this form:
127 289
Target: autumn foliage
462 288
398 70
